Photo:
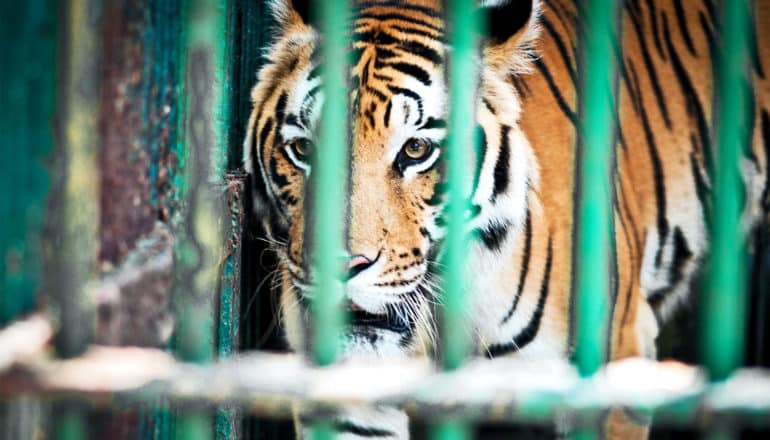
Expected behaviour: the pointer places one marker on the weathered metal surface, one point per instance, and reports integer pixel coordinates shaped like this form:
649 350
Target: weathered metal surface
125 208
132 302
138 111
27 32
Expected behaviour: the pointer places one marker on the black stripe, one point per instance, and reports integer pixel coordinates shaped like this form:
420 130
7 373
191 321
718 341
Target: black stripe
556 92
415 31
701 187
280 109
416 48
410 69
488 106
493 235
362 431
314 72
502 165
291 119
694 107
682 21
650 67
658 179
528 333
396 16
562 48
433 123
682 254
524 267
654 22
386 118
406 92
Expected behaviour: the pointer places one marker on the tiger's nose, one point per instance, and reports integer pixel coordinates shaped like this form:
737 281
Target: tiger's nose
359 263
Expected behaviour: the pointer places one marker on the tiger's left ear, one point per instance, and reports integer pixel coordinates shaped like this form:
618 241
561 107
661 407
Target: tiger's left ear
512 31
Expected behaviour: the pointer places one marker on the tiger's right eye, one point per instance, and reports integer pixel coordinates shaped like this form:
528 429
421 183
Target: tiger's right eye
303 148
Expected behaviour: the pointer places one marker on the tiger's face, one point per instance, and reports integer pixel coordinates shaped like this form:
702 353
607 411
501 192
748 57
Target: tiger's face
394 184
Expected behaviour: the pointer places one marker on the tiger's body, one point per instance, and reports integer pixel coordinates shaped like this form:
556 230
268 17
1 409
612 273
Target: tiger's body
520 264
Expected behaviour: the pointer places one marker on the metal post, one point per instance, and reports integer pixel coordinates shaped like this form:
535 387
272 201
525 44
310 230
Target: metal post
200 233
327 194
27 97
594 222
724 299
463 30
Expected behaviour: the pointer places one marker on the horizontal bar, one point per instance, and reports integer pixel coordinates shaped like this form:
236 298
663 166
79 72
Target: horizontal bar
513 390
594 222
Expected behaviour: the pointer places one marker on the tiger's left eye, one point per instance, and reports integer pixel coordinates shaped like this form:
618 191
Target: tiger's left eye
417 149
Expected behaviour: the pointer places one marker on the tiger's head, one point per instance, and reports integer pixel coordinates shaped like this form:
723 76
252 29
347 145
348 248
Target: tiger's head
398 110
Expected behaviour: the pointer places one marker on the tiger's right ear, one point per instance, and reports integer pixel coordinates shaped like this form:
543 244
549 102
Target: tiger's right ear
291 15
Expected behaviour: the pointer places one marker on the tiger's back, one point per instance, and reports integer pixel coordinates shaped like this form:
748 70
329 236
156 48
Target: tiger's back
664 149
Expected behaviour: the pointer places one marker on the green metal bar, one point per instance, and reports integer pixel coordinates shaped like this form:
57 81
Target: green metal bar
200 247
463 34
724 299
594 220
451 430
463 27
330 179
28 31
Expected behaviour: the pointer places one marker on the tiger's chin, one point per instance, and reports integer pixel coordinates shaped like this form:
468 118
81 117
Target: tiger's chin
392 331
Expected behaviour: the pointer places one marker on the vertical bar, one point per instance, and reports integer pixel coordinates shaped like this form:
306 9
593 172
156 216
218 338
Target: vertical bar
724 302
463 30
228 421
70 249
327 196
27 32
598 70
463 34
200 233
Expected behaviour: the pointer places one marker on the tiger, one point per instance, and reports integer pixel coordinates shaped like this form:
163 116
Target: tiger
523 166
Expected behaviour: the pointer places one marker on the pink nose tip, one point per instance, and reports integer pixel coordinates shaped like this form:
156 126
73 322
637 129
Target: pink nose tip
358 260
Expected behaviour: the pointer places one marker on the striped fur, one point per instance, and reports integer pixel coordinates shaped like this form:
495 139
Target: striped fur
520 262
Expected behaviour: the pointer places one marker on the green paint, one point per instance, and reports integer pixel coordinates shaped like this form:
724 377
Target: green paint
322 431
724 312
328 193
27 32
71 424
594 220
193 426
450 430
464 30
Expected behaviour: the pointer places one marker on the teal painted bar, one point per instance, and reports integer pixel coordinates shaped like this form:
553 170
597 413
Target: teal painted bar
200 250
28 31
463 34
451 430
463 27
328 192
594 221
724 311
